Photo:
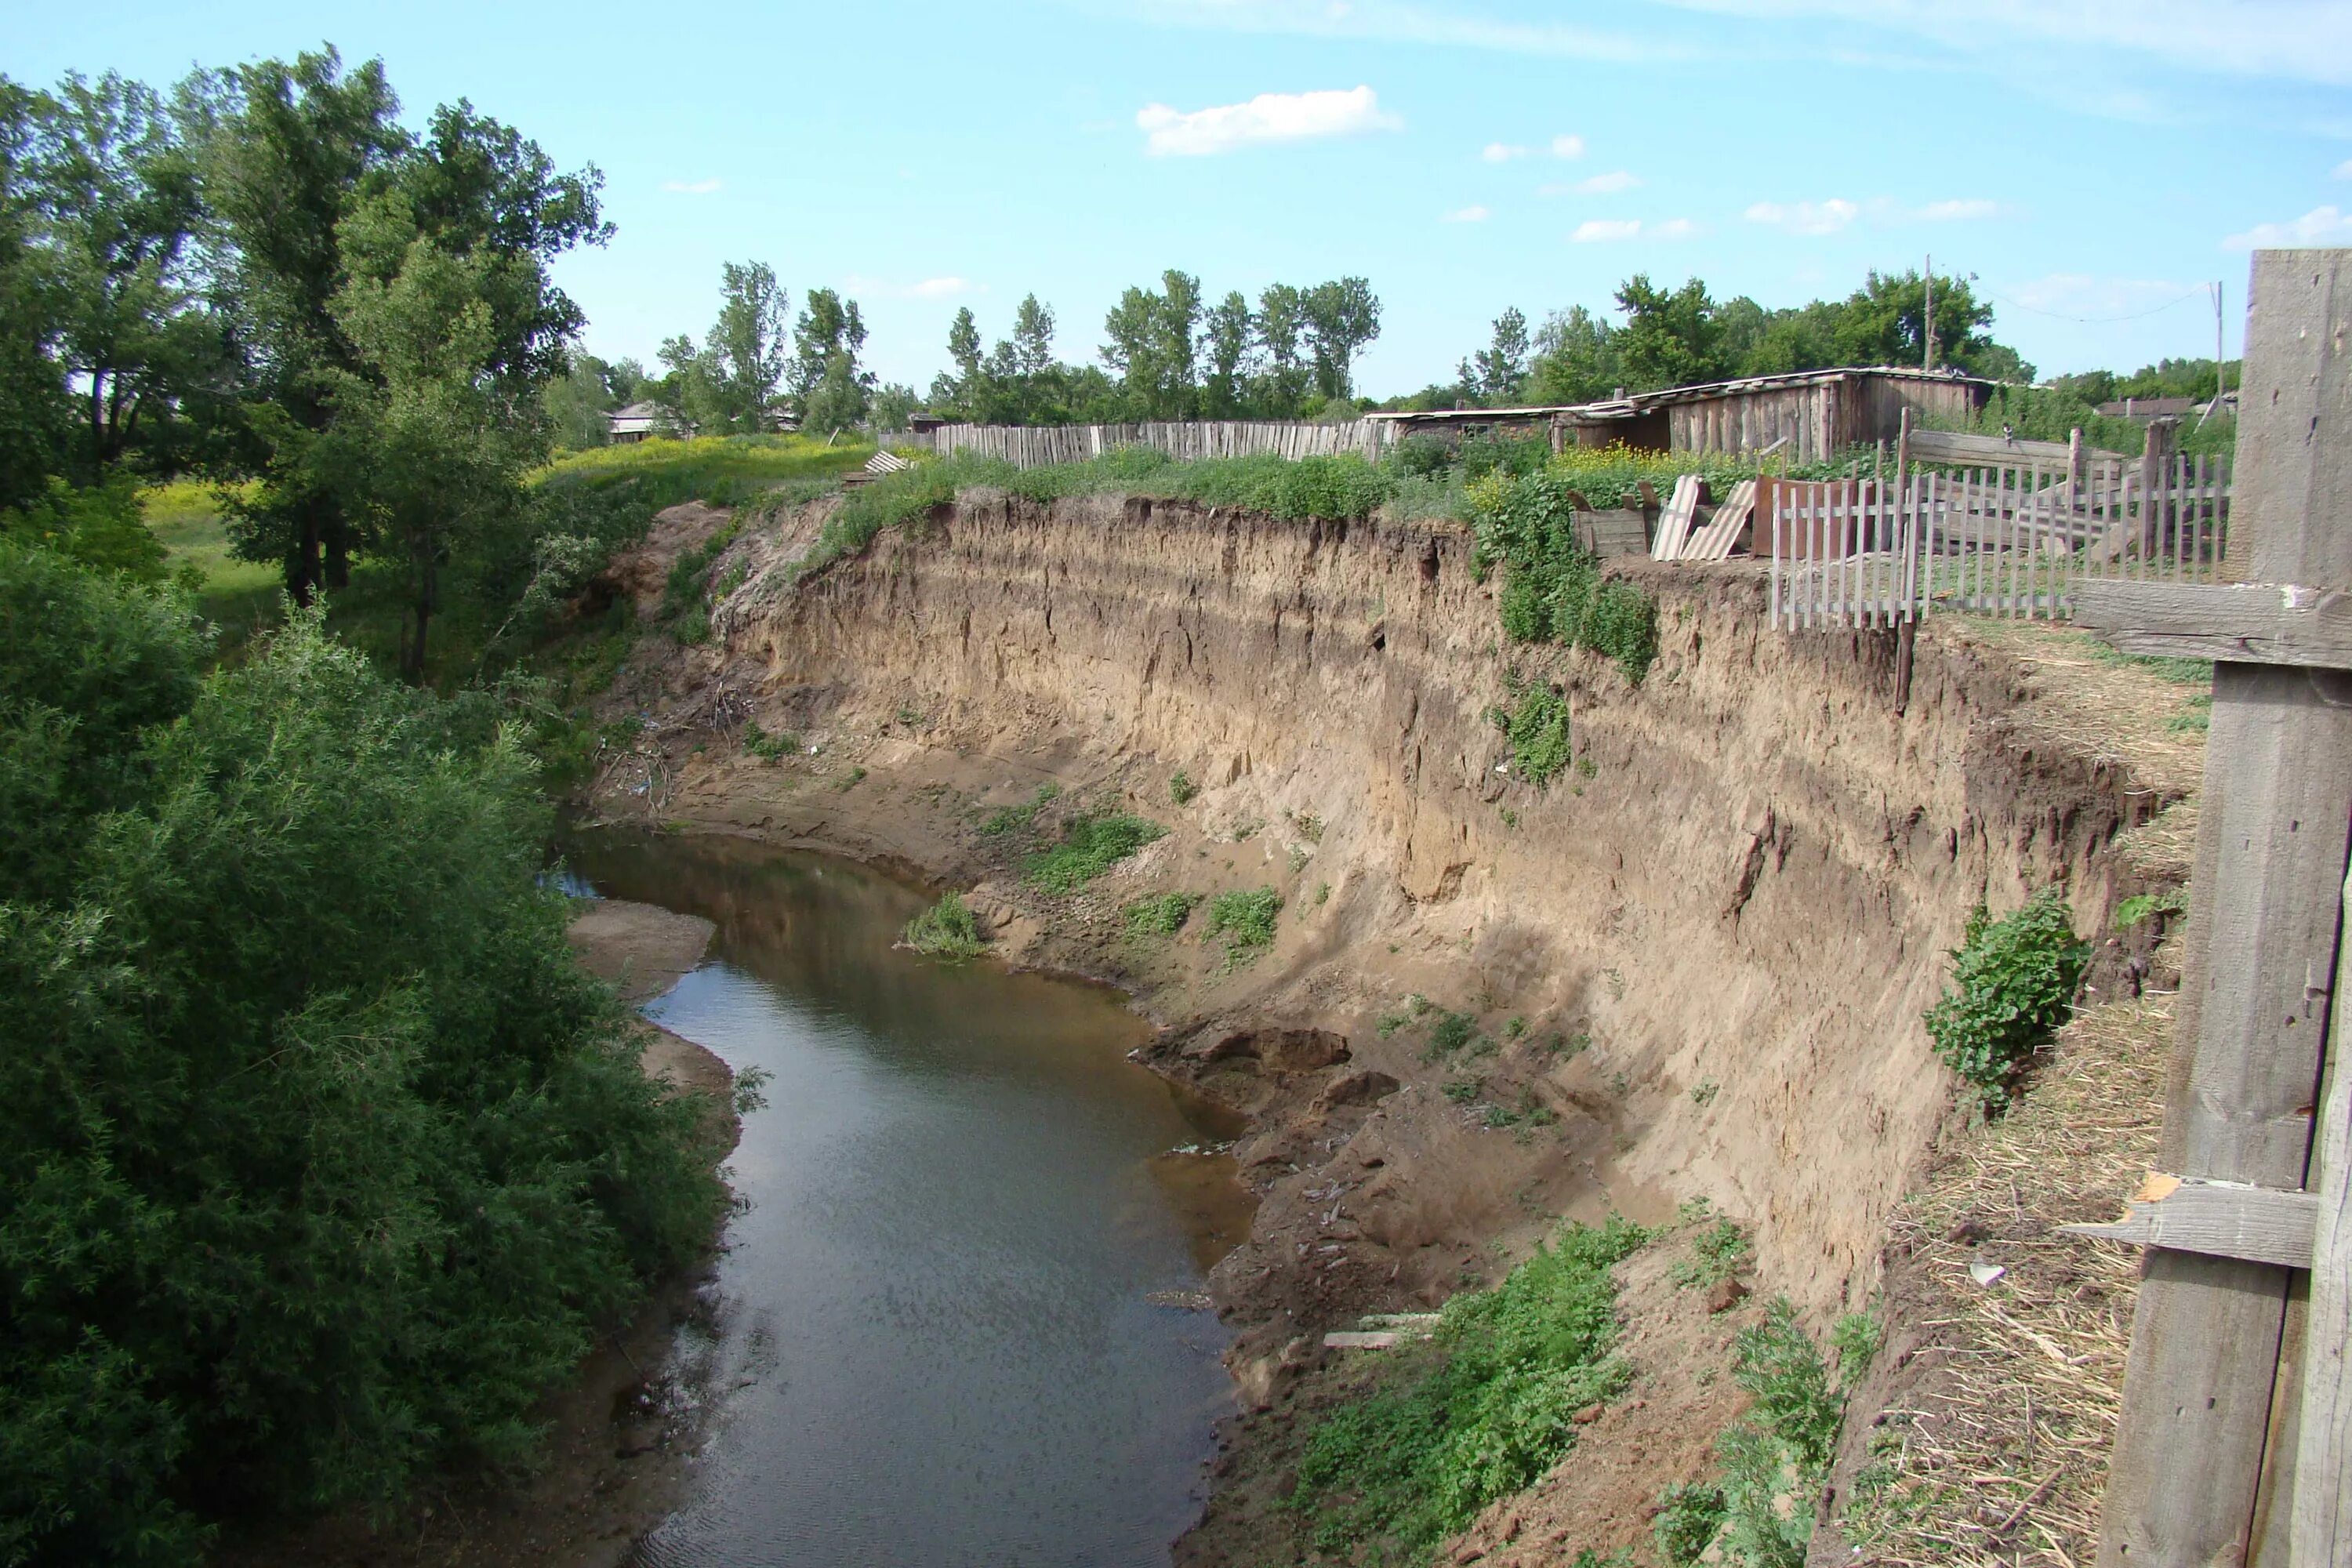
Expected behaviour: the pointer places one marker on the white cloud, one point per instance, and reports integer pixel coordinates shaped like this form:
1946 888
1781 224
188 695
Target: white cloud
1399 21
1607 185
2320 225
691 187
1608 230
1568 146
2344 170
1806 217
2300 40
1469 215
1956 211
1268 117
1502 151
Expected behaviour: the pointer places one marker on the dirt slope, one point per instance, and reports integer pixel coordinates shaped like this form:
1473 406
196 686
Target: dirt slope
1741 895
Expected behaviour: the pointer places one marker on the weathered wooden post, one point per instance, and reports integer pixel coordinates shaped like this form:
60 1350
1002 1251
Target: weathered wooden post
2224 1401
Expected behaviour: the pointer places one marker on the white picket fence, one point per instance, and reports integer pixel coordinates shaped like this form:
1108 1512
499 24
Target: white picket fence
1035 446
2006 541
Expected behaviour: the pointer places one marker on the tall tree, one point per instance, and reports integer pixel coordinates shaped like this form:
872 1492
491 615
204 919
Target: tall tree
1032 337
1281 329
33 395
119 208
1497 373
1342 317
748 351
1670 338
1225 341
1152 344
284 150
835 391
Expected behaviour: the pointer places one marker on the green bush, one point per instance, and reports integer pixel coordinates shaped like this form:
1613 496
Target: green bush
1553 591
766 747
1181 789
320 1157
1717 1253
1536 724
2012 983
1483 1414
1163 914
947 929
1007 819
1243 922
1090 846
1690 1516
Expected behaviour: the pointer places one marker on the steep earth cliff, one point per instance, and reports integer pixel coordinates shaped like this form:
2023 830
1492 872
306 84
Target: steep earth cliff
1692 965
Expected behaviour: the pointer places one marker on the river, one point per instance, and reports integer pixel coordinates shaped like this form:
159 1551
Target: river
957 1320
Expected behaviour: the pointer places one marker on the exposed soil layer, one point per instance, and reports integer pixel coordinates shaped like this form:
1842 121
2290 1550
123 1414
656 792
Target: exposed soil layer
1692 965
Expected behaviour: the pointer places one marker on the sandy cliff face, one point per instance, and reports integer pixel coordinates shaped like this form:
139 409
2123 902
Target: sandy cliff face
1742 893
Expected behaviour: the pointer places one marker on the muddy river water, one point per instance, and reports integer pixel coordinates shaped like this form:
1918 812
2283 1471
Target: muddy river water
956 1322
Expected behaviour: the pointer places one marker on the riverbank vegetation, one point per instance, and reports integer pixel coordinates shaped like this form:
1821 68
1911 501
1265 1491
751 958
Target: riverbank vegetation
323 1158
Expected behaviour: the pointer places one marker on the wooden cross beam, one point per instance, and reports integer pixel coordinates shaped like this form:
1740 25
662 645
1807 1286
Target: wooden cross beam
2233 1439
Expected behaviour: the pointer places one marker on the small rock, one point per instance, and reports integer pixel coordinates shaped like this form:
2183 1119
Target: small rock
1586 1416
1725 1294
1359 1088
1966 1233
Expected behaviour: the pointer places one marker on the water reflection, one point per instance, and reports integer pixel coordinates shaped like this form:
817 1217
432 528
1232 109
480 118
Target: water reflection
944 1331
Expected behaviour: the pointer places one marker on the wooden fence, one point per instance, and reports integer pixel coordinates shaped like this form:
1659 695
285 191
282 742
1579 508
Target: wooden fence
2009 541
1035 446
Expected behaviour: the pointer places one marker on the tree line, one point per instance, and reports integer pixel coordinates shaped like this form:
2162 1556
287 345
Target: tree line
265 279
1683 336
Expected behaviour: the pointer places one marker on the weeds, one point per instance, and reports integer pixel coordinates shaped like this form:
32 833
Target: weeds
1717 1253
766 747
1017 818
1690 1515
2141 906
1702 1094
947 929
1162 914
1181 789
1553 591
1535 724
2012 983
1090 846
1488 1410
1243 924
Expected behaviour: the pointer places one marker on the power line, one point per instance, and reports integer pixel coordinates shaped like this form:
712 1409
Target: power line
2098 320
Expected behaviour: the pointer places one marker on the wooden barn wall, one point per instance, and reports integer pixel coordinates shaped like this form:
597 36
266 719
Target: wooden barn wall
1818 420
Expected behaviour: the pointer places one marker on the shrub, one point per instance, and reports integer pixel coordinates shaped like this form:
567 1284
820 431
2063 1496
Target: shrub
1162 914
1089 846
319 1156
1485 1413
1244 921
2012 983
1717 1253
1553 591
1536 724
1450 1034
947 929
1181 789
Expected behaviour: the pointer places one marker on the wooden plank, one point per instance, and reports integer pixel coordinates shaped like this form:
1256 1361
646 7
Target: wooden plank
2244 623
2260 945
1673 524
1961 447
1713 543
2322 1524
2222 1219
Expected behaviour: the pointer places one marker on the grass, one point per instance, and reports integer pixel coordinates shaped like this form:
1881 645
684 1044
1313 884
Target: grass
947 929
1535 724
1717 1252
1091 844
1486 1408
766 747
1007 819
2013 983
1162 914
1243 923
722 470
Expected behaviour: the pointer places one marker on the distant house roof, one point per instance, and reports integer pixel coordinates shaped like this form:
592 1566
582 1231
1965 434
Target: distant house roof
1639 403
637 416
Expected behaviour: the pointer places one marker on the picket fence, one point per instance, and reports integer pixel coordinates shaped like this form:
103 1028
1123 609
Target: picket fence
1035 446
2005 541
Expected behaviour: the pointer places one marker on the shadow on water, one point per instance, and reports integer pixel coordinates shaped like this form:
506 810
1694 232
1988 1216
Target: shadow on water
953 1325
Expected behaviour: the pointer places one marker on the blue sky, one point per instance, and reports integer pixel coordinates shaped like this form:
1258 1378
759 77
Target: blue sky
2092 162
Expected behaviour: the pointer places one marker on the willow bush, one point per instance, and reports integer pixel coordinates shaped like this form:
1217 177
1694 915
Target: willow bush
320 1157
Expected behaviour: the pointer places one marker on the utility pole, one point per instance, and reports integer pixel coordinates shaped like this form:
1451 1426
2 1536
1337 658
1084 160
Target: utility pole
1927 327
2220 376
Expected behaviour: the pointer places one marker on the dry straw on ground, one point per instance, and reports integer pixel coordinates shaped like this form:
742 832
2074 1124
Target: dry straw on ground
2002 1458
